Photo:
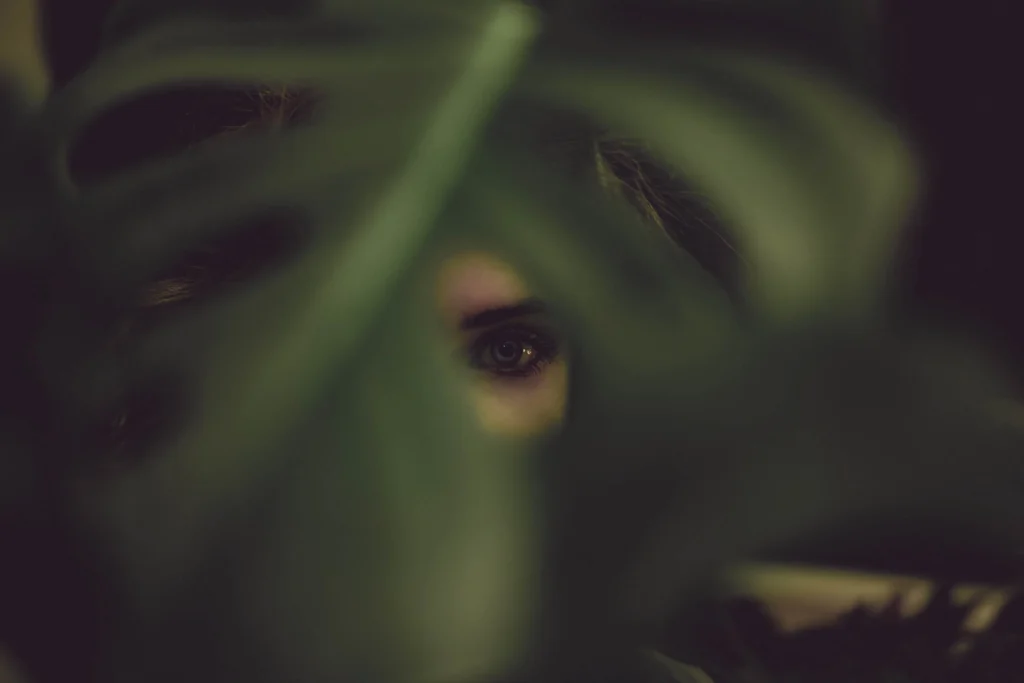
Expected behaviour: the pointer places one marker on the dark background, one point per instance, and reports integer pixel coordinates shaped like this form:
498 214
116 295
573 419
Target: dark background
951 79
952 66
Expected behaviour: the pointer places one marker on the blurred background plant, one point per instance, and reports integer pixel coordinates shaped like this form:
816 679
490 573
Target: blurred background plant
321 504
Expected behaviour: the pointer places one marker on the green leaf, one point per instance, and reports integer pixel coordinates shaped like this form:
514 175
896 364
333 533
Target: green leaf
814 183
291 415
841 36
330 508
23 69
381 550
316 52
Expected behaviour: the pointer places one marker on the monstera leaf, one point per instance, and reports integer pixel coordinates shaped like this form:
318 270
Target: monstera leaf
326 507
410 499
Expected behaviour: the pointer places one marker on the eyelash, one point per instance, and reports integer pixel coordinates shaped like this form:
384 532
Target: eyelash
543 343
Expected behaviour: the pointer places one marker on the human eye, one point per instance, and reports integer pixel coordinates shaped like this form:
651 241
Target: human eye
513 350
507 338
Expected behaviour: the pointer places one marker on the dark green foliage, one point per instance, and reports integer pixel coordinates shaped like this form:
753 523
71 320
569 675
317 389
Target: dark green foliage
323 507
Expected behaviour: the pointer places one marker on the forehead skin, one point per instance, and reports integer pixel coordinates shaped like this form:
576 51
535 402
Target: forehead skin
472 282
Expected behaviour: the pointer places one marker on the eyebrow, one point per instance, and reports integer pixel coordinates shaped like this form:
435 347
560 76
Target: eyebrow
493 316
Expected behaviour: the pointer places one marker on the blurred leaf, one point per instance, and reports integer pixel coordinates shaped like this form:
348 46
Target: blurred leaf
292 383
321 52
376 550
814 184
28 253
841 444
329 508
23 68
841 36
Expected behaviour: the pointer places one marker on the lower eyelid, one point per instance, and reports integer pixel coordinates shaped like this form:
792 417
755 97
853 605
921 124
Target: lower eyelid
526 381
526 373
524 405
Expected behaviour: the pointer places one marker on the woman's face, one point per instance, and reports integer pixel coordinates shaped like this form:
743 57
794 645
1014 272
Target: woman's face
521 382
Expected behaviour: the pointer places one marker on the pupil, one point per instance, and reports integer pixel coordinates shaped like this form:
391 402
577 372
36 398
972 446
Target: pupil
508 352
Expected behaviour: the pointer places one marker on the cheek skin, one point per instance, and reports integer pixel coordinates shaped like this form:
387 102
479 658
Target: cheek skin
523 407
473 282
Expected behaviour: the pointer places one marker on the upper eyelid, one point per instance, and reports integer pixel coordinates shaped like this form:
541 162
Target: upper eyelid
524 325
